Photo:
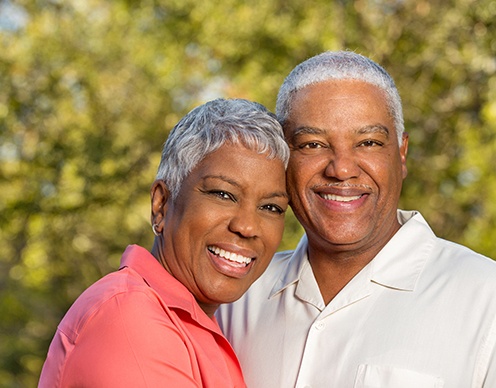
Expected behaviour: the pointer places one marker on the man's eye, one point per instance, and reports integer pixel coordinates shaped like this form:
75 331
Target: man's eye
370 143
311 145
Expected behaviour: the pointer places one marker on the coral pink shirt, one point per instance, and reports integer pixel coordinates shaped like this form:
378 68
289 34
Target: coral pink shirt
139 327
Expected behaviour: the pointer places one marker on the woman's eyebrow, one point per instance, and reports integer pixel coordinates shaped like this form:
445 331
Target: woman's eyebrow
277 194
221 178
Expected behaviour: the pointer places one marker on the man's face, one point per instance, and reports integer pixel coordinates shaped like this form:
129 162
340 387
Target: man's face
346 167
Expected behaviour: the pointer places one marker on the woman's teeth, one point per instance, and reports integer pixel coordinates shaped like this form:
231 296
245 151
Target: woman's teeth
230 255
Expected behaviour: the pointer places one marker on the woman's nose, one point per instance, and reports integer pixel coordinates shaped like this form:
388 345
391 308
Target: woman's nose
245 222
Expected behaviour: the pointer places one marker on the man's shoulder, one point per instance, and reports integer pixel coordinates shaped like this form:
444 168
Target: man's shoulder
463 272
461 259
278 265
282 257
263 287
446 257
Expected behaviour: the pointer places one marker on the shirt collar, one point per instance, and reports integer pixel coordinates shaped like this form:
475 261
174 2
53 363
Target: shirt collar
295 266
173 292
398 265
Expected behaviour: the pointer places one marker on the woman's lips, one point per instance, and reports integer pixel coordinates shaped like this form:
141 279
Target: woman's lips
231 256
230 263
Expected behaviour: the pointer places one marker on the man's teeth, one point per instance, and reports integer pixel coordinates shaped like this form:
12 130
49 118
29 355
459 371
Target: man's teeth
339 198
230 255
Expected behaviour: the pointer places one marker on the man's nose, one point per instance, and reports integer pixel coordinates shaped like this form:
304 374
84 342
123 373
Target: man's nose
342 165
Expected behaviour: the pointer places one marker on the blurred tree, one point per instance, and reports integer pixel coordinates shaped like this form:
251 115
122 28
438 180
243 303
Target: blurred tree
90 89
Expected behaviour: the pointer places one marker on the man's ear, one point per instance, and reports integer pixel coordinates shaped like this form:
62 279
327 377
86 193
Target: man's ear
160 197
403 153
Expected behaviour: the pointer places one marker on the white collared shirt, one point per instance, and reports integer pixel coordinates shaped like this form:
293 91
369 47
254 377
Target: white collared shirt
422 314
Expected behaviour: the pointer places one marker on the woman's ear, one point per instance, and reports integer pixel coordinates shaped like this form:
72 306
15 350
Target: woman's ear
160 197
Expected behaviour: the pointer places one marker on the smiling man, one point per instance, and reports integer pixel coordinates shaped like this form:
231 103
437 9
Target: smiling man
370 297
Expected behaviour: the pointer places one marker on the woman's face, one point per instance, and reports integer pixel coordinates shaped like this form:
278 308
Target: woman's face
221 232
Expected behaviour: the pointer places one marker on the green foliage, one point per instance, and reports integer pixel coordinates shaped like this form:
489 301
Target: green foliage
90 88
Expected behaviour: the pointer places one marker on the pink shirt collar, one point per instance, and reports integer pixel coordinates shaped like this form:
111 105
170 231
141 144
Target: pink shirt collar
172 291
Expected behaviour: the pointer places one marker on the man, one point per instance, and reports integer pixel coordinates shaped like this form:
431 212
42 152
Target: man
370 297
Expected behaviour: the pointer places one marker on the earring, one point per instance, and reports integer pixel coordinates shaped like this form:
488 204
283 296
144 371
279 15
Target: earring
154 230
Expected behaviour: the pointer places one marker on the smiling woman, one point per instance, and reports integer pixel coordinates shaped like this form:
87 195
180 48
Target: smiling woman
217 211
220 233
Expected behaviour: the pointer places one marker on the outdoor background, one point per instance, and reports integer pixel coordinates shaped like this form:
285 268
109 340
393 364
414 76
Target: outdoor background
90 88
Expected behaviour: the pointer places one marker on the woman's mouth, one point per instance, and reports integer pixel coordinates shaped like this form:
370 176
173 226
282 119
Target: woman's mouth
231 256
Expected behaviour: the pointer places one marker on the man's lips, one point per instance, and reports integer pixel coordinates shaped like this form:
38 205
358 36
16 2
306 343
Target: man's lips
340 198
342 194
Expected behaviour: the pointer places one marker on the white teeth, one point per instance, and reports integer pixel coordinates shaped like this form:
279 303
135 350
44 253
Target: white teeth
339 198
231 256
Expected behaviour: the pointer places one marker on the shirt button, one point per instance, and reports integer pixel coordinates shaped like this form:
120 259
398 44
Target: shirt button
319 326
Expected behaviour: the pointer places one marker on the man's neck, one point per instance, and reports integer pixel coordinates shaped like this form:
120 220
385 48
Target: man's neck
334 266
332 275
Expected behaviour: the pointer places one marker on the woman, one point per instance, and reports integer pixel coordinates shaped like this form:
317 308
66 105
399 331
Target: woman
217 211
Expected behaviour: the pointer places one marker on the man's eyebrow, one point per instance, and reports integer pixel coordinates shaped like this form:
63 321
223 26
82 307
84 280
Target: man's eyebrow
367 129
304 130
374 128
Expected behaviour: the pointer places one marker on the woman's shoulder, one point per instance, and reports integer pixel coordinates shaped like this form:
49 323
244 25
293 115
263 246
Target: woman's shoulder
119 295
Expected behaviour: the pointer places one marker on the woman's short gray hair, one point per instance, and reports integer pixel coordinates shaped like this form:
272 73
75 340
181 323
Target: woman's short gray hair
211 125
340 65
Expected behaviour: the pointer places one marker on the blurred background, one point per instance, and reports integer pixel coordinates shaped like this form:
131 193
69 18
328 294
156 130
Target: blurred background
89 90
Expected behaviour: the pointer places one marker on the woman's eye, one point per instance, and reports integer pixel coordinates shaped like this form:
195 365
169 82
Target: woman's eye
273 208
222 194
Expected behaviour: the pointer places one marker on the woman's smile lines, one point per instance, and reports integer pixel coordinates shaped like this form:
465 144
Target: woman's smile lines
229 255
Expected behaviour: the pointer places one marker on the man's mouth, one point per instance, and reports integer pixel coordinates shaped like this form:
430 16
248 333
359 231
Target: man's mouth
339 198
231 256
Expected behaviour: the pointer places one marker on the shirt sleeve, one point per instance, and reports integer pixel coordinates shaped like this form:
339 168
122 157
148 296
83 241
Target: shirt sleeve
131 341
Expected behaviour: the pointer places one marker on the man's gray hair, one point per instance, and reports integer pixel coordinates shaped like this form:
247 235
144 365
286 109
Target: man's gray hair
211 125
340 65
